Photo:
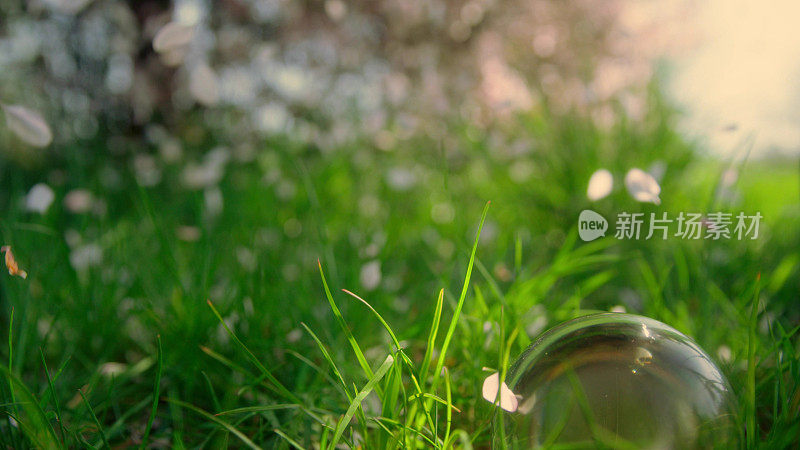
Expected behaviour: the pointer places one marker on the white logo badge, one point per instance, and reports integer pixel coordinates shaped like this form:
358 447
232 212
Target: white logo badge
591 225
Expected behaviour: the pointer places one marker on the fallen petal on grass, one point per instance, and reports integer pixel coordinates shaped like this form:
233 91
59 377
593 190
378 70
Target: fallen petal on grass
600 185
508 401
642 186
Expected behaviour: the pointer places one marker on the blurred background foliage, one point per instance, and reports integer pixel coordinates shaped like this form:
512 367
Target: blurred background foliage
324 72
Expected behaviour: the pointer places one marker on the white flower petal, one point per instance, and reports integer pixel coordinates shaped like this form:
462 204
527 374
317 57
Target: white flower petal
642 186
508 401
28 125
724 354
600 184
173 36
204 85
86 256
78 201
39 198
370 276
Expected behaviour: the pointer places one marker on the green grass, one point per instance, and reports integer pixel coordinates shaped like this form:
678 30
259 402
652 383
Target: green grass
245 337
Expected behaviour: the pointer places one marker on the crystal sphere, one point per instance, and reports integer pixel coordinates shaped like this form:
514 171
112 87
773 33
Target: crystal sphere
615 380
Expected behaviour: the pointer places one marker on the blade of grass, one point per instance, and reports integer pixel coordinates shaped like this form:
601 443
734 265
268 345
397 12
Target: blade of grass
389 403
336 371
81 440
493 286
253 379
362 418
291 441
28 431
373 381
466 442
261 408
449 405
10 342
505 351
117 426
404 397
400 351
437 317
603 438
177 418
317 369
214 398
11 357
426 405
54 397
433 397
420 396
402 354
156 389
230 428
226 362
94 418
38 429
362 361
454 321
386 429
276 385
61 368
328 358
380 420
560 425
380 318
751 367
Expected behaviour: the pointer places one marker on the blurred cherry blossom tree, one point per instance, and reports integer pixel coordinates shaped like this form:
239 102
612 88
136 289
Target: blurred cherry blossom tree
324 72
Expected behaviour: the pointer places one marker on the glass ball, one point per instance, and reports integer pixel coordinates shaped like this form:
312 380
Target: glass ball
616 381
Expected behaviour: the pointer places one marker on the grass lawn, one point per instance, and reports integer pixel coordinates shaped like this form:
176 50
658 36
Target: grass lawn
167 316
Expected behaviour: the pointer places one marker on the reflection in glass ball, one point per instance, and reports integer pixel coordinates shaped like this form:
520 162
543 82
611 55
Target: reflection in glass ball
616 381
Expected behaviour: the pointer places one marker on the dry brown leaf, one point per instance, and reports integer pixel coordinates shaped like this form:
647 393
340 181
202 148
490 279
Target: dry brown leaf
11 263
